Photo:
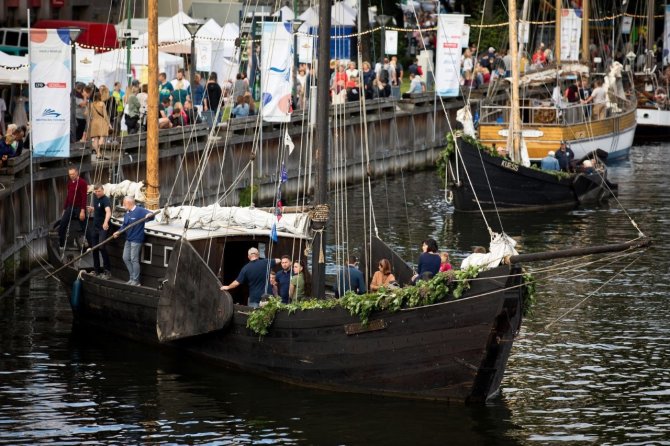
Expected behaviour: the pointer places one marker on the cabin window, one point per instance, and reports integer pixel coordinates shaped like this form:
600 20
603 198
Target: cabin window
12 38
147 252
262 249
167 250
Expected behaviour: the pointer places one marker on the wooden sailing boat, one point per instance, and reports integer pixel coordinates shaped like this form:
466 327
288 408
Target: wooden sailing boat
453 350
482 179
545 123
653 103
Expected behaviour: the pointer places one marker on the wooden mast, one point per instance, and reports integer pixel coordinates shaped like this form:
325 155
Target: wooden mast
321 151
515 121
152 182
649 55
586 14
557 34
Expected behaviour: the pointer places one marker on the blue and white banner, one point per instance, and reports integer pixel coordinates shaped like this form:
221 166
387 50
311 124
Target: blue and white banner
84 67
276 71
666 37
448 64
203 55
50 86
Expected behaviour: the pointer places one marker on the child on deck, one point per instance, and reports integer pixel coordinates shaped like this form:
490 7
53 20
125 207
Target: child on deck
445 265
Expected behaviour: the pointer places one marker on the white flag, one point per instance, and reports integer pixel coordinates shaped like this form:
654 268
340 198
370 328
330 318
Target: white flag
288 142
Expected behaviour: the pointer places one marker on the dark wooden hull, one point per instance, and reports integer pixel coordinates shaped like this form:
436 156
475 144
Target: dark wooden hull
454 351
500 184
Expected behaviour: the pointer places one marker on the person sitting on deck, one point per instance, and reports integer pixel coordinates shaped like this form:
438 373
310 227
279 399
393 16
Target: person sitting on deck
384 277
550 162
350 279
254 274
429 261
444 265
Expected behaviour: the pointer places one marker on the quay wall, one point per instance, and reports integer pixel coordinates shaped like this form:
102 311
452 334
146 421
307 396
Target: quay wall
402 135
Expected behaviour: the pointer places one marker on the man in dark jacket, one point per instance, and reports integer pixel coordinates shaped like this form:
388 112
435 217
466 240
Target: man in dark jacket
565 155
350 279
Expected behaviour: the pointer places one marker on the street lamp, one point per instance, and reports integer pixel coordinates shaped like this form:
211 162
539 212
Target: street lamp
74 34
193 29
296 25
382 20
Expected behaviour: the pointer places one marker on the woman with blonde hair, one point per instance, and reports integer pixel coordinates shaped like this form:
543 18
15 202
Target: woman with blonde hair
99 124
383 277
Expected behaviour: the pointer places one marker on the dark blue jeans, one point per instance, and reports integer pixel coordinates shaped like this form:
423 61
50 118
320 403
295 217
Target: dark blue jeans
69 214
98 235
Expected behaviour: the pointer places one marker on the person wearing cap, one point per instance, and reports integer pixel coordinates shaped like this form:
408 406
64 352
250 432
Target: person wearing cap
350 279
550 162
255 275
565 155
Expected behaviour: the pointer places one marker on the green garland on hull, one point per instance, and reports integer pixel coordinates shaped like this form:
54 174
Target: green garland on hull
442 287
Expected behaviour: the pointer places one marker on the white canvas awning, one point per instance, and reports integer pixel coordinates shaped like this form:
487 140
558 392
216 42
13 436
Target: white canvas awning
285 13
174 38
110 67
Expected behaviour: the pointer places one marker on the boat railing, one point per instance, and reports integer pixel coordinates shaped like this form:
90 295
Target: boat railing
545 112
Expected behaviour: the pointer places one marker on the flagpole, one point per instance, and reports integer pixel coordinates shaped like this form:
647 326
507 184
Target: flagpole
30 111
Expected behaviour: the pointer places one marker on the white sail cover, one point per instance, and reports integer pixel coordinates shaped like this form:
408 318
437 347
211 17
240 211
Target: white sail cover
125 188
464 116
501 246
216 217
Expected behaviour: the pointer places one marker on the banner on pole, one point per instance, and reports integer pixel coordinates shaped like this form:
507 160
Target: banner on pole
666 36
465 36
305 49
391 42
203 55
571 33
276 71
50 86
448 65
84 67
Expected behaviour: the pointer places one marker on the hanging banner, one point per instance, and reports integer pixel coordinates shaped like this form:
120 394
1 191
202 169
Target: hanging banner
305 49
666 36
465 36
571 33
203 55
50 86
448 65
276 71
523 32
84 67
626 24
391 43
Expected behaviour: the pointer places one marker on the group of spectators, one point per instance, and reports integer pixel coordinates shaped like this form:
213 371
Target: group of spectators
13 139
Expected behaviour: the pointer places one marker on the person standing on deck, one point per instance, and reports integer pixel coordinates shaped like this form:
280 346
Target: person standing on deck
550 162
565 155
75 204
255 275
102 213
134 238
284 279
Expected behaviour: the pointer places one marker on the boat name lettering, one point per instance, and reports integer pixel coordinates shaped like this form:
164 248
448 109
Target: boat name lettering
377 324
510 165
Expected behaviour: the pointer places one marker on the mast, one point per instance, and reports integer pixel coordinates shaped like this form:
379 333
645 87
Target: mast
153 184
649 55
515 121
557 33
586 12
321 151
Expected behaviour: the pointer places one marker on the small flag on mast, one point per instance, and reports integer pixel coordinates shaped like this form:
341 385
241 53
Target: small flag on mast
288 142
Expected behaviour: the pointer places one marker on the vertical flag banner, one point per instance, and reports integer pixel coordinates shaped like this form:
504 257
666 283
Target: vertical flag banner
391 43
571 33
465 36
84 67
305 49
50 86
448 65
276 71
666 36
203 55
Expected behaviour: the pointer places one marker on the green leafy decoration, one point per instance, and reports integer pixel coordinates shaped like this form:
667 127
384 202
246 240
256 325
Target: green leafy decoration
529 298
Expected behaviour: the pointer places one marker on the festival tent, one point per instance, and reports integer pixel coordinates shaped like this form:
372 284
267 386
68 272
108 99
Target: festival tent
285 13
174 38
110 67
13 69
343 14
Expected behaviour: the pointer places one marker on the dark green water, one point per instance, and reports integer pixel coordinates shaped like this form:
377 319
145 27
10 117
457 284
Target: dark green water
601 375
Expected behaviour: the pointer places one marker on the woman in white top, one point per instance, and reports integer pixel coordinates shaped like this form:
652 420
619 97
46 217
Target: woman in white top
352 71
599 99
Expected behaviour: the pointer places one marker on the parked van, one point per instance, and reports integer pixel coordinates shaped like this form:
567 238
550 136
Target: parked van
14 41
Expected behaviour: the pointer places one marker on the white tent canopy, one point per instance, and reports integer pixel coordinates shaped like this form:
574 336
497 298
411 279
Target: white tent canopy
285 13
10 75
174 38
110 67
341 15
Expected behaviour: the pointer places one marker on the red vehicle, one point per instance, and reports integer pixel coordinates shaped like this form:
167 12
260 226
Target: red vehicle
100 36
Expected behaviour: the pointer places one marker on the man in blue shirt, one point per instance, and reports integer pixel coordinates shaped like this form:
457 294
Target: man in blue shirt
256 275
134 238
284 279
350 278
565 155
550 162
